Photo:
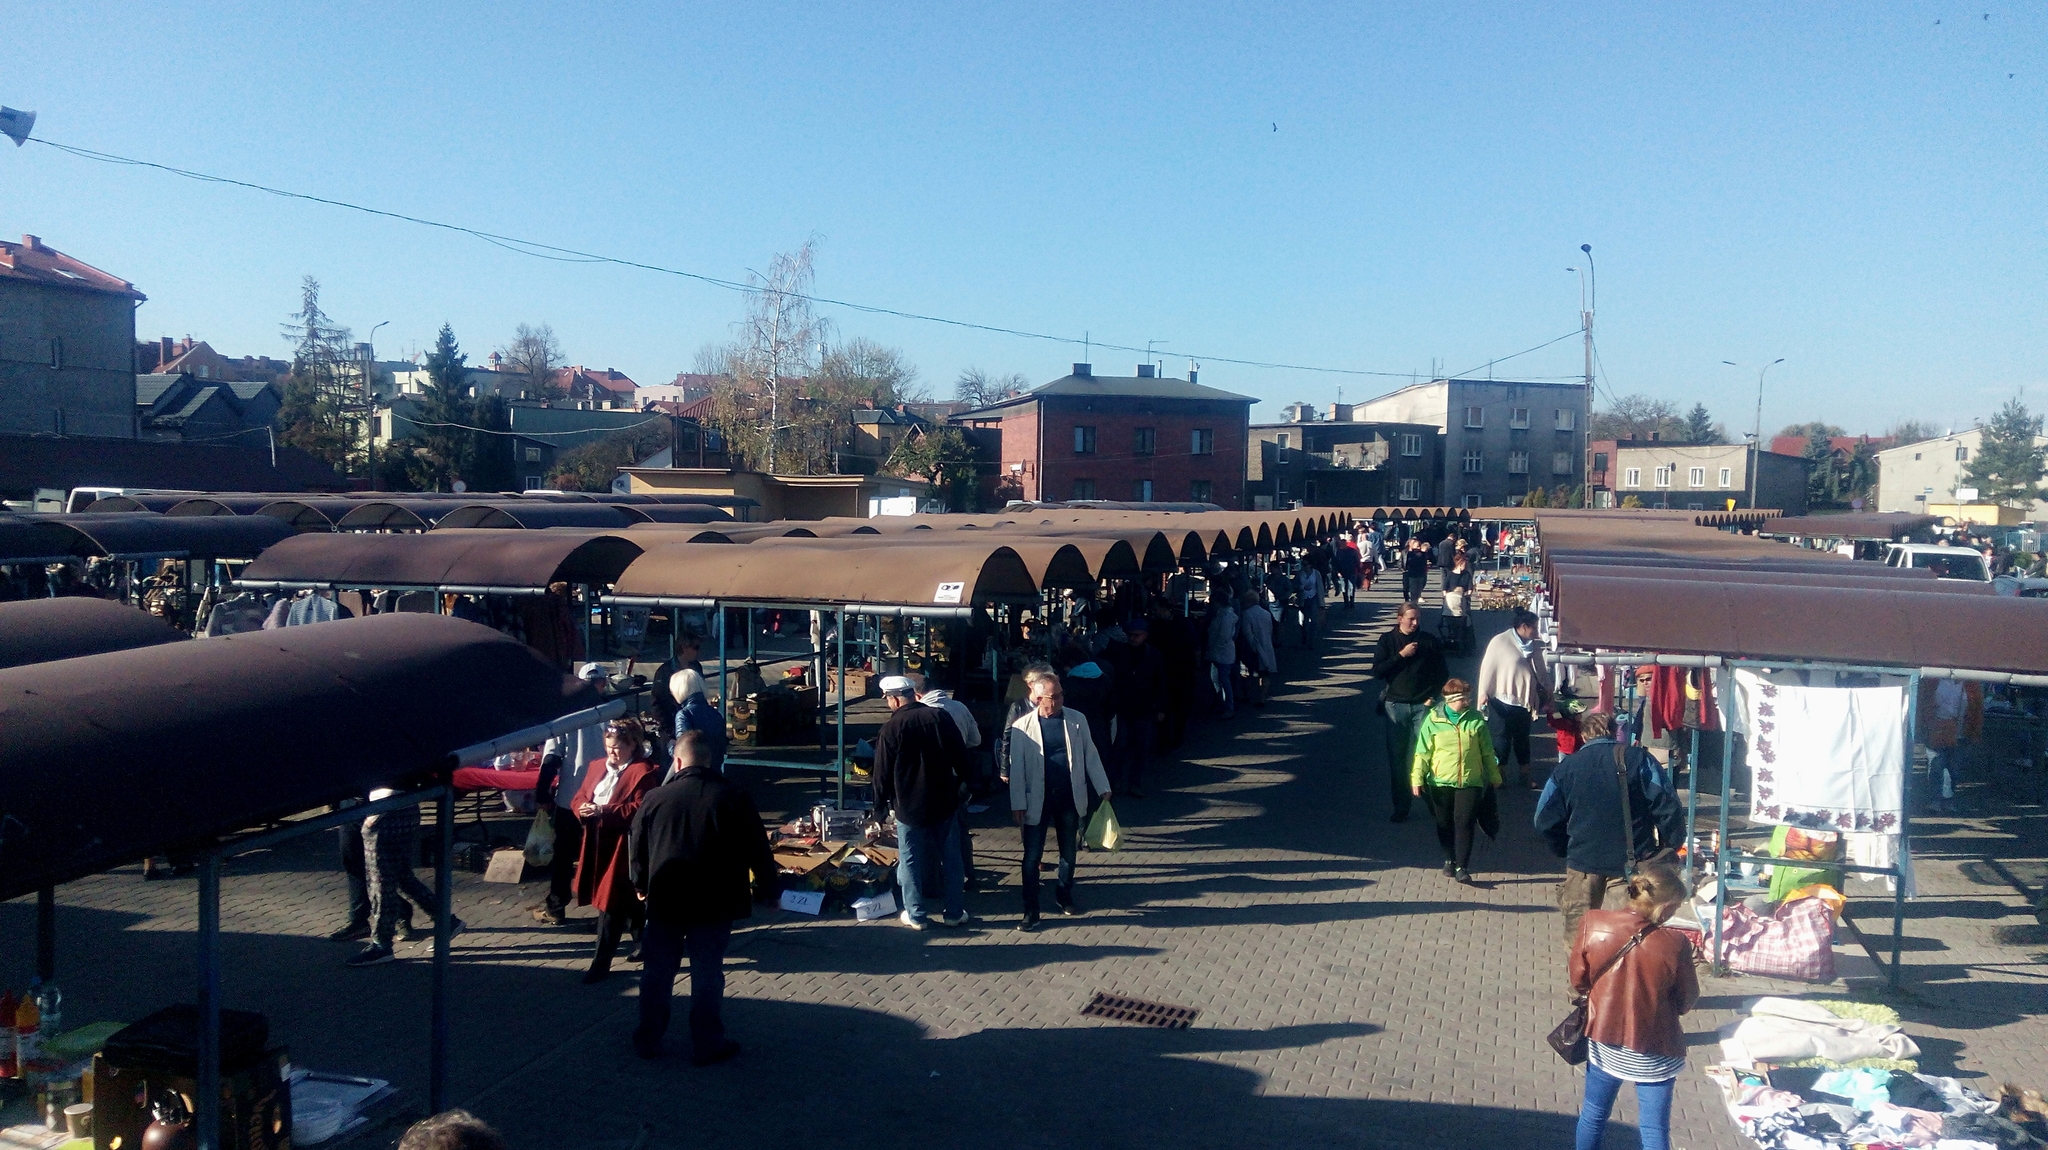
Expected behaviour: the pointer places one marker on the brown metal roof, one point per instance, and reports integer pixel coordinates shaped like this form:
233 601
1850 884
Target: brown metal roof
477 557
311 513
116 757
1052 562
148 535
1819 624
973 569
408 513
1887 525
533 514
144 501
1864 576
42 630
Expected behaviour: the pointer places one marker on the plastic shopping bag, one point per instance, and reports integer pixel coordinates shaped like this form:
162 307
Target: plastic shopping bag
540 840
1104 832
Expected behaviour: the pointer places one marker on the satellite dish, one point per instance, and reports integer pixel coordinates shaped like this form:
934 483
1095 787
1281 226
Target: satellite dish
16 125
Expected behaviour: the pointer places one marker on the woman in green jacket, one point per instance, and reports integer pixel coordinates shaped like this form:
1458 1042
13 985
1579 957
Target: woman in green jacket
1454 771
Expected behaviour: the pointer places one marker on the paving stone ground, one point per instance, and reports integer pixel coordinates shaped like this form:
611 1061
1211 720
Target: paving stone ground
1350 995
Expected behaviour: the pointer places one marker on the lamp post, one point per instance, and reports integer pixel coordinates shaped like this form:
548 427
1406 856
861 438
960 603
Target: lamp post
370 404
1756 450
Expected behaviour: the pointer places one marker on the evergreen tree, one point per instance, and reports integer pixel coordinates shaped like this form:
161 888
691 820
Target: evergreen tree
1537 497
1578 497
1700 427
2009 459
316 409
487 463
1822 482
443 443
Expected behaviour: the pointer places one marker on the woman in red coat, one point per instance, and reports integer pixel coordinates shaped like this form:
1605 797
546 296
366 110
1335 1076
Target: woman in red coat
605 805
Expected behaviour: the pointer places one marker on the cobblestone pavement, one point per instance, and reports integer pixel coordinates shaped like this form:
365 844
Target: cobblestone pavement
1349 994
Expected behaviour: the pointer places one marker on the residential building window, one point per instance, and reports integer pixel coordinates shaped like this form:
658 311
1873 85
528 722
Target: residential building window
1084 489
1600 461
1411 490
1084 444
1518 417
1727 477
1518 463
1664 476
1561 463
1916 457
1475 417
1475 462
1567 419
1308 493
1962 452
1696 477
1632 477
1200 490
1475 501
57 358
1143 441
533 484
1282 441
1202 442
1141 490
1411 445
533 455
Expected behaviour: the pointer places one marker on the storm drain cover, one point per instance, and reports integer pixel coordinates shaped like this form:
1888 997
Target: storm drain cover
1138 1012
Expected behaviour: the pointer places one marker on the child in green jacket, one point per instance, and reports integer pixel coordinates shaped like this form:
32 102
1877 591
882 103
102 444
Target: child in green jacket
1455 772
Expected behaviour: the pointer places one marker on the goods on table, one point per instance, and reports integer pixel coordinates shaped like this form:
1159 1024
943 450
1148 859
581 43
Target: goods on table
839 852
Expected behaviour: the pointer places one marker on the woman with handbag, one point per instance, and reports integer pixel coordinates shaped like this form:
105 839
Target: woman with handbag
1635 980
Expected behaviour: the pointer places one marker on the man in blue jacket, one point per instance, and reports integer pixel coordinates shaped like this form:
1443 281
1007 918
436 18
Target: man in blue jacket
1579 815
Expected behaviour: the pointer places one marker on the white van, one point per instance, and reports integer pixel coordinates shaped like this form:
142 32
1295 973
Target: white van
1955 562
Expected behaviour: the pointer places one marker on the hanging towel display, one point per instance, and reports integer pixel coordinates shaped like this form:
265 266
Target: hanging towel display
1826 758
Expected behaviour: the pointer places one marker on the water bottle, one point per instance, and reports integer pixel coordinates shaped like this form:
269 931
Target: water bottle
50 1004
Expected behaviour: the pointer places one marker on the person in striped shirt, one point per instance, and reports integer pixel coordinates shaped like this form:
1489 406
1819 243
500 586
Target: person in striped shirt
1637 979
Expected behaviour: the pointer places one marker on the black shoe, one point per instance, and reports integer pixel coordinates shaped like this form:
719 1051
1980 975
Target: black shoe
725 1053
404 932
1070 910
648 1051
593 977
1463 876
351 932
370 955
1029 924
1398 817
1450 869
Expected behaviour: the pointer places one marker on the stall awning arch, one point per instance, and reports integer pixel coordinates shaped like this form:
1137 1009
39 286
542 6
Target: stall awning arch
44 630
466 557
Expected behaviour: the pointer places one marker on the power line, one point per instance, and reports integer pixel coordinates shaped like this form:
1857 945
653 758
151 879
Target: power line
560 254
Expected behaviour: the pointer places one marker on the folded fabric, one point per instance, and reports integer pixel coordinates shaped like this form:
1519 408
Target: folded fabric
1913 1127
1863 1088
1989 1129
1960 1098
1907 1090
1786 1030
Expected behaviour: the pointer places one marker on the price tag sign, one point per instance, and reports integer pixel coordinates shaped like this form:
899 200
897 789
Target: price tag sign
950 592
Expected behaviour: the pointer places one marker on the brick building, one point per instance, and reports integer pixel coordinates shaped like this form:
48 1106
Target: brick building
1142 437
67 345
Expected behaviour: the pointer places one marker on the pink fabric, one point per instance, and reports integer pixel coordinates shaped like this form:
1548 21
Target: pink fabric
486 779
1796 941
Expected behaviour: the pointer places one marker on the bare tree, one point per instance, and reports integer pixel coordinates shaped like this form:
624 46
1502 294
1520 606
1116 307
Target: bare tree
1638 416
534 355
982 389
714 359
1906 431
778 339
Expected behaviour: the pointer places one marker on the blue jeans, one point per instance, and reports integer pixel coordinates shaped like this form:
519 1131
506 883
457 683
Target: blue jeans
1399 736
919 849
662 948
1066 825
1223 680
1653 1101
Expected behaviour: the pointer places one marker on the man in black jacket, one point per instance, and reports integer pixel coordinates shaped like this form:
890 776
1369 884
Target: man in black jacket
697 847
1409 663
1138 696
1579 815
920 761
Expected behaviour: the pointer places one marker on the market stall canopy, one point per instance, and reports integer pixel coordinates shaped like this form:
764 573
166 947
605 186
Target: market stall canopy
1865 576
1052 562
148 535
474 558
407 514
183 742
158 501
41 630
679 512
226 503
311 513
966 572
1890 627
1890 526
531 514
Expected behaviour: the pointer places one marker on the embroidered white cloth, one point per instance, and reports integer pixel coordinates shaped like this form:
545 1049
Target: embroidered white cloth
1827 758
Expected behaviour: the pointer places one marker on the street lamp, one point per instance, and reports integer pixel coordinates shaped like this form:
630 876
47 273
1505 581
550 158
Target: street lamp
370 404
1757 445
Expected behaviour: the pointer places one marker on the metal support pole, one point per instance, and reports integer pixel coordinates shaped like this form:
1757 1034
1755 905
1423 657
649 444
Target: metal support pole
1692 794
724 712
444 937
1905 827
840 757
1721 849
46 934
207 1103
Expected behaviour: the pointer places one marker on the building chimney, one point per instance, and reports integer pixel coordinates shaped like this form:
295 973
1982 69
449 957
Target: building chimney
163 352
1084 370
1191 375
1340 413
1146 371
31 243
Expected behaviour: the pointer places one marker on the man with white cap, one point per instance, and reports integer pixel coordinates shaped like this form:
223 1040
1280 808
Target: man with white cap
686 687
920 762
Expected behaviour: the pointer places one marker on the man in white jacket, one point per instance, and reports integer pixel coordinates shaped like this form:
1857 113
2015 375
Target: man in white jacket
1053 766
1513 688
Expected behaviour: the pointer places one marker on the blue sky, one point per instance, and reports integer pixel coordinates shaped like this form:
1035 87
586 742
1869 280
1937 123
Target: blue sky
1854 187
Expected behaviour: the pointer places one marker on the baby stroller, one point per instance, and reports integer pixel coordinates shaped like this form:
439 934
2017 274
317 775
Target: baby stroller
1454 625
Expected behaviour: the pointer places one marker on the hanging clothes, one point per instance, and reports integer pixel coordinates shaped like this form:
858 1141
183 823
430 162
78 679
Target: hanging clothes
1667 700
1702 707
1829 758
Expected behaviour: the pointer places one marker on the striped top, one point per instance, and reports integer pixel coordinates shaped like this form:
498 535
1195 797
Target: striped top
1633 1065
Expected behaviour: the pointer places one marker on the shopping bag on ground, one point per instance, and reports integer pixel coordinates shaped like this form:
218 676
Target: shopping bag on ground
540 840
1104 832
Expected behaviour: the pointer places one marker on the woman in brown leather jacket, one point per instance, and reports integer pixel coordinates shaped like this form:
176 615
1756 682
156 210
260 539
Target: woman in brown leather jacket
1632 1009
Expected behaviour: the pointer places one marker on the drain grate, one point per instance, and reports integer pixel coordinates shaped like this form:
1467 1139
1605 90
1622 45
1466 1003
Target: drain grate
1138 1012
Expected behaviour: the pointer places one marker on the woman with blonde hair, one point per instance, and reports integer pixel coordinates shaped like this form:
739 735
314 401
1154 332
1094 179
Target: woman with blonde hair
1636 979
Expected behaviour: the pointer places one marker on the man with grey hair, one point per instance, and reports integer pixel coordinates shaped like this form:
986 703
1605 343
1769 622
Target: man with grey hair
1054 765
920 762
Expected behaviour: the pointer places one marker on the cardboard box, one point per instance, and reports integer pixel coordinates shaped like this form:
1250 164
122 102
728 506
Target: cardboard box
255 1106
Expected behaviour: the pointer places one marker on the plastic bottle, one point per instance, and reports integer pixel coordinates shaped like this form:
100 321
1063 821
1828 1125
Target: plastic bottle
27 1033
50 1004
8 1005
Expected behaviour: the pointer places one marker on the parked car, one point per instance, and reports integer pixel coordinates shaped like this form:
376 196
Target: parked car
1946 562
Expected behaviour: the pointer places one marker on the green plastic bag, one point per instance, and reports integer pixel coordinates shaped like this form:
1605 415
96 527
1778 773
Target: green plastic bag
1104 832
